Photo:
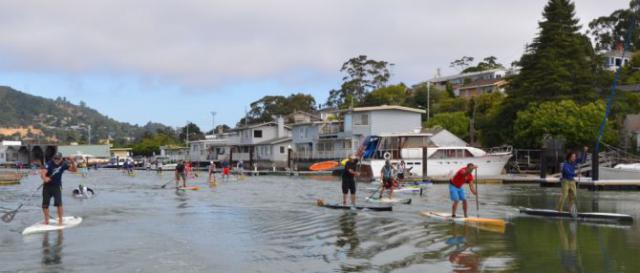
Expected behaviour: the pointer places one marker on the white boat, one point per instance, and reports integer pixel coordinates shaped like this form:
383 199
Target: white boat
621 171
442 162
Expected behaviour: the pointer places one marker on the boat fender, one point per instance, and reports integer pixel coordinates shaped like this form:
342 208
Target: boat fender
387 155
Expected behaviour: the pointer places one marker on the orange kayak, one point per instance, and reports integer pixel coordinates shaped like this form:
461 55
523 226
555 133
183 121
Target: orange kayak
324 165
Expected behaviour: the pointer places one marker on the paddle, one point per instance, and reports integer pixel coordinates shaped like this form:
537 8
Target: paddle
477 201
8 217
165 184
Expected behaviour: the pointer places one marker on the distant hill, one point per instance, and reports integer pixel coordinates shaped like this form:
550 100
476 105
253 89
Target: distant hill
62 120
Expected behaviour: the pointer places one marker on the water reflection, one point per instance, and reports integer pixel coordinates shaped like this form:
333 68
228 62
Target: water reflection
569 257
462 257
348 234
52 254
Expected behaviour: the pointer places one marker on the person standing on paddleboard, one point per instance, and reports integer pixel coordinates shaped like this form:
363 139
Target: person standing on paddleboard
348 181
569 188
180 174
52 178
212 172
388 180
225 169
456 192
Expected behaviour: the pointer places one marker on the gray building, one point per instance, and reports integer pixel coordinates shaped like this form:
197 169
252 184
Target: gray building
339 137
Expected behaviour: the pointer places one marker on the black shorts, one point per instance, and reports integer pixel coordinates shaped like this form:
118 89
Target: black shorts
348 185
51 191
400 176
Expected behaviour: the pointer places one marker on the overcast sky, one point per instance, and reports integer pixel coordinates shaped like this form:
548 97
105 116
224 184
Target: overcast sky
173 61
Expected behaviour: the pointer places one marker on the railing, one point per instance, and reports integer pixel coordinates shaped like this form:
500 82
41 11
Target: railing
331 129
335 154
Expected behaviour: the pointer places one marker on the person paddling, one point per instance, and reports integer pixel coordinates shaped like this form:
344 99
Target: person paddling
225 169
456 192
348 181
387 177
52 178
569 188
212 172
180 174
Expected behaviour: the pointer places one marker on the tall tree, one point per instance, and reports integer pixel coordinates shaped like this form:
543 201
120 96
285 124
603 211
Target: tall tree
462 63
362 75
560 63
609 31
264 109
390 95
193 132
487 63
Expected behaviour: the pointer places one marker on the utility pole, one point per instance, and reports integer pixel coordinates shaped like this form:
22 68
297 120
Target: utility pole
213 122
89 133
187 135
428 99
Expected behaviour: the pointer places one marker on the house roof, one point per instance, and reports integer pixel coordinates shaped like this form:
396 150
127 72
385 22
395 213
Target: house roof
630 87
483 83
274 141
384 108
251 126
121 149
464 75
316 122
618 53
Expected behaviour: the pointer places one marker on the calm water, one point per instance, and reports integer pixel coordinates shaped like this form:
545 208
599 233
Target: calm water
271 224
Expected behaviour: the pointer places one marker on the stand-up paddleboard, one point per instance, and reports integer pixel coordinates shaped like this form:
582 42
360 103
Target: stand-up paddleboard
386 200
324 165
585 216
67 222
321 203
193 188
495 225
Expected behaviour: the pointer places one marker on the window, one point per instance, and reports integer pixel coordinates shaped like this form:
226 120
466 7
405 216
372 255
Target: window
362 119
618 62
282 149
257 133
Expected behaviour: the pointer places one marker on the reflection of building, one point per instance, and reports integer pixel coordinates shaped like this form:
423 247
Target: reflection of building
9 151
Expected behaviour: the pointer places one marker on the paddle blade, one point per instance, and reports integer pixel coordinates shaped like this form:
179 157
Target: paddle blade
8 217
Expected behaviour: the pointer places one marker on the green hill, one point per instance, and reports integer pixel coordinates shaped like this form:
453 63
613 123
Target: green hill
63 120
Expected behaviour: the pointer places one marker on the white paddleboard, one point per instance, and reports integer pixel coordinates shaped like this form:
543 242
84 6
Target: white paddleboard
386 200
67 222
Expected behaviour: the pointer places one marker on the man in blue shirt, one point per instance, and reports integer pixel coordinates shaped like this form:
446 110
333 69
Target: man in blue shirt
569 188
52 179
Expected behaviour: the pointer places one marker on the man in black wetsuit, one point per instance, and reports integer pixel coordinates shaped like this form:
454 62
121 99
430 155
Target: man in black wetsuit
348 181
52 179
180 174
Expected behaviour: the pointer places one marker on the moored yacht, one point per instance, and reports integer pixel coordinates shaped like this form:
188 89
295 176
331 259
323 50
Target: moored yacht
442 162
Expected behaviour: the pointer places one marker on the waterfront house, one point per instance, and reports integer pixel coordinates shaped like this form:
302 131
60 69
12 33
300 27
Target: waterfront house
473 83
92 154
614 59
340 136
172 153
215 147
120 152
262 134
9 151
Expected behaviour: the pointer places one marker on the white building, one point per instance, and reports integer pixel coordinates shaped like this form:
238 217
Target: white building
614 59
9 151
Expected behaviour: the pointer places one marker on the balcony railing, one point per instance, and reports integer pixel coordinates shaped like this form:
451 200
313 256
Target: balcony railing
331 129
334 154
